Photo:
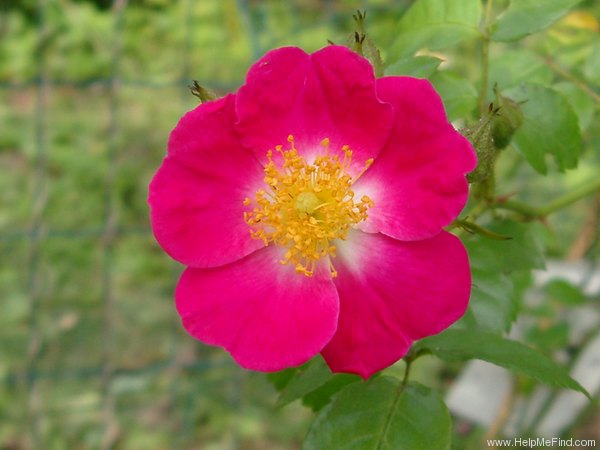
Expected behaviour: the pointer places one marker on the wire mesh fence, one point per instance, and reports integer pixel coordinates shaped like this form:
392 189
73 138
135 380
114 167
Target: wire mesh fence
92 354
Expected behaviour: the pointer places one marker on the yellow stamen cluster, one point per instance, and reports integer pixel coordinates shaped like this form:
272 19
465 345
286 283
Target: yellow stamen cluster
306 206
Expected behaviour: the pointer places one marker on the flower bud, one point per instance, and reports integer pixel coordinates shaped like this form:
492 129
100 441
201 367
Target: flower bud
506 121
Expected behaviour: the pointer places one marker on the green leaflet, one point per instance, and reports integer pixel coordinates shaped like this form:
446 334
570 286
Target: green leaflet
435 25
550 127
524 17
453 345
381 415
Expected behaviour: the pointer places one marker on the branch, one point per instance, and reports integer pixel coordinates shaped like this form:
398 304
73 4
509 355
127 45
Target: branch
539 212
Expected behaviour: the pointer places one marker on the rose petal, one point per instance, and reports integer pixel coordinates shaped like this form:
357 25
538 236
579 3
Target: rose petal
264 313
392 293
328 94
417 182
196 196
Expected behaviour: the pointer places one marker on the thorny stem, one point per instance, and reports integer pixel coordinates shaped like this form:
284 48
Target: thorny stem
485 189
533 212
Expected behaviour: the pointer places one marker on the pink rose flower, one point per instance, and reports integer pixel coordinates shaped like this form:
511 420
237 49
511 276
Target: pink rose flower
309 208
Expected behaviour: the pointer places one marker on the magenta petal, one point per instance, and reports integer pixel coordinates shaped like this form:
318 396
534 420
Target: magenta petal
196 196
392 293
328 94
265 314
417 182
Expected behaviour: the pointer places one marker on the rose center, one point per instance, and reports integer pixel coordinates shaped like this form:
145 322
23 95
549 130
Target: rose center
306 206
307 202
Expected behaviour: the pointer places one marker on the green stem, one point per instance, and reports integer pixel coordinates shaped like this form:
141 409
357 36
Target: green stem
485 58
478 211
388 420
397 395
407 372
485 52
534 212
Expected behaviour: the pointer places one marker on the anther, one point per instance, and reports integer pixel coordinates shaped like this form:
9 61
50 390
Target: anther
307 206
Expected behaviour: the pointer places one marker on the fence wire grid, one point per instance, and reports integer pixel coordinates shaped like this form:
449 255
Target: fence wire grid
92 354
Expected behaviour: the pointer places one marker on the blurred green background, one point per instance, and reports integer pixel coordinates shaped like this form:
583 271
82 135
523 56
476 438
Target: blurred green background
92 354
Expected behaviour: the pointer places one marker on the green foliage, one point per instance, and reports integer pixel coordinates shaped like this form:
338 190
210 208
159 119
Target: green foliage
79 151
382 414
500 271
16 61
524 17
308 378
549 338
415 66
321 396
581 102
564 292
515 67
313 383
453 345
591 68
550 127
457 92
435 25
